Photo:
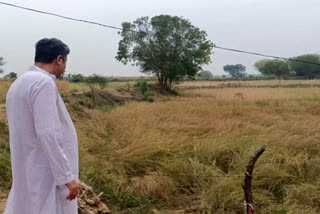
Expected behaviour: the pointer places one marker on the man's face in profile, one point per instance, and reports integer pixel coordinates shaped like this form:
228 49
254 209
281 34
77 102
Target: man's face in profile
62 64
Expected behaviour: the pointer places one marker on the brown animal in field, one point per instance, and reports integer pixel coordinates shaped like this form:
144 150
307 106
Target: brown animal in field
238 96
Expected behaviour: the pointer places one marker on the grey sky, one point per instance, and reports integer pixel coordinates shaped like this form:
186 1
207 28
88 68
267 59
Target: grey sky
278 27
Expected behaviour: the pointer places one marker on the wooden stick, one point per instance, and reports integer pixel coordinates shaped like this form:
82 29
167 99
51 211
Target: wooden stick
247 188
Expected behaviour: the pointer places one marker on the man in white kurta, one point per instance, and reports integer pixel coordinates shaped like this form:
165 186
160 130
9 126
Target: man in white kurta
43 146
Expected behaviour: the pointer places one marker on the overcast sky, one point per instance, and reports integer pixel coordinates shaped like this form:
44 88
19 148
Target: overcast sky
277 27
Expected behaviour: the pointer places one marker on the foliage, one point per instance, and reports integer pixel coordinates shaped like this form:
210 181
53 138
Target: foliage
169 47
305 69
205 74
92 79
5 162
5 170
283 69
11 75
142 84
75 78
236 71
1 64
97 79
275 67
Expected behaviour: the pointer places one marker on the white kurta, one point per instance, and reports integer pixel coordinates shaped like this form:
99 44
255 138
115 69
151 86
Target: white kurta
43 146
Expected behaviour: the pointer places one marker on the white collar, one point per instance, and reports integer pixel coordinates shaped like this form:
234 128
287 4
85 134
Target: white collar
36 68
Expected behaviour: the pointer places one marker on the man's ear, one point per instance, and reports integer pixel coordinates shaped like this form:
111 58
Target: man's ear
60 60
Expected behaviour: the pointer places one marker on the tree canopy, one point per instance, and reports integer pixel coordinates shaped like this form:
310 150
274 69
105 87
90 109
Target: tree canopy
281 68
169 47
1 64
97 79
236 71
11 75
305 69
205 74
273 67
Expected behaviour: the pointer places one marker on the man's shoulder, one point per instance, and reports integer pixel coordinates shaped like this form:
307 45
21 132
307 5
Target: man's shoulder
35 79
31 82
36 76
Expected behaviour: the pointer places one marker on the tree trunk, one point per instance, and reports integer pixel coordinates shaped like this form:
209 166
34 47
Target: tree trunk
162 86
164 82
170 84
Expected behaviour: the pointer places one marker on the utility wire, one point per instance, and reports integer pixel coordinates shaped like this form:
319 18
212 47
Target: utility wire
118 28
60 16
269 56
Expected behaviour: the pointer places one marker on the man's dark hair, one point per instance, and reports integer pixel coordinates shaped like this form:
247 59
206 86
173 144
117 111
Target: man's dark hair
48 50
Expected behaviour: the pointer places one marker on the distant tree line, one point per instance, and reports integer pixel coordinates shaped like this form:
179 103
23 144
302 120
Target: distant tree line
276 68
1 64
11 75
204 75
92 79
284 69
236 71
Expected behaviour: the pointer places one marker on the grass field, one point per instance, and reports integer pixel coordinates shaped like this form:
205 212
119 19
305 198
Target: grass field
65 87
164 151
250 83
188 153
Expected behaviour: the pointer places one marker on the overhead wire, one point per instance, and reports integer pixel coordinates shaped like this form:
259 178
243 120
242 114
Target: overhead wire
118 28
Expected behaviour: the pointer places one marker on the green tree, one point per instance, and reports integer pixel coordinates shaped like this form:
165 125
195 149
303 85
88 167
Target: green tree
97 79
11 75
236 71
75 78
1 64
92 81
169 47
205 74
304 69
278 68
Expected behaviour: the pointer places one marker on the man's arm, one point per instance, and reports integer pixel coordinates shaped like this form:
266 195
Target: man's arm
48 130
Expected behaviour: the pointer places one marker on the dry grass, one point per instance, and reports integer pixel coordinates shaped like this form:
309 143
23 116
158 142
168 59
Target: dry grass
189 152
64 87
196 139
4 86
255 94
249 83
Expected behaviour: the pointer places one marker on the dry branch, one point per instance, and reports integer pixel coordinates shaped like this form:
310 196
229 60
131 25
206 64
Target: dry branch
247 188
